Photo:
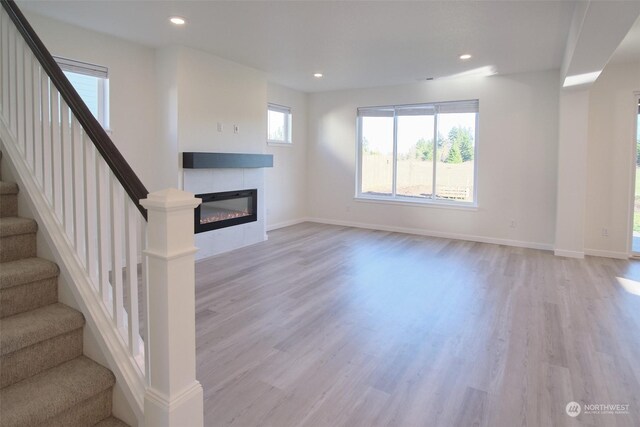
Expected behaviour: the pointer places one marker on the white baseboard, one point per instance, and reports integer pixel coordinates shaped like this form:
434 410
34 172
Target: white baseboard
433 233
283 224
606 254
568 254
456 236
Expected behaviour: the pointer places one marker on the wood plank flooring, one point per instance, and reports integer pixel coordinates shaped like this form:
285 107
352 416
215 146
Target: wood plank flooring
335 326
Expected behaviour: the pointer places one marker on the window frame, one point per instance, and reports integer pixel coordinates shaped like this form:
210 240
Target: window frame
102 74
288 125
396 199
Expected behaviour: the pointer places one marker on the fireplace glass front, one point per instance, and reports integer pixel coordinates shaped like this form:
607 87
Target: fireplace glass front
225 209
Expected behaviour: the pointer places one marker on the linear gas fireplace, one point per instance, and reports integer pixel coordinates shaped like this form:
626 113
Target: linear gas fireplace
220 210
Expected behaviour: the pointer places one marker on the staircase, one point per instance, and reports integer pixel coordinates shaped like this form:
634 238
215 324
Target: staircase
44 377
109 239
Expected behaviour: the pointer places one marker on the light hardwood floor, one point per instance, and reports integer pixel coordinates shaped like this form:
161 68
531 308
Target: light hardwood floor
336 326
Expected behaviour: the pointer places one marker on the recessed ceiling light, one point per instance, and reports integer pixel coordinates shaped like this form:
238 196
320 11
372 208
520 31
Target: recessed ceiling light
317 75
176 20
465 56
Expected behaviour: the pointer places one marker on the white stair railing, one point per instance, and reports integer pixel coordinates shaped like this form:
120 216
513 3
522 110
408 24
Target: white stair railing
99 230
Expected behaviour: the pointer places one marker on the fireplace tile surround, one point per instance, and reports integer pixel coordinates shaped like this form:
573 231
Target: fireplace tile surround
212 180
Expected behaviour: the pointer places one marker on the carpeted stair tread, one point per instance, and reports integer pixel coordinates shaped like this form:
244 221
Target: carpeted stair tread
44 396
25 329
13 226
8 188
111 422
27 270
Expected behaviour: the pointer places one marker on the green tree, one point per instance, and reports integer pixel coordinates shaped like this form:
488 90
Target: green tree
466 147
454 154
424 149
461 136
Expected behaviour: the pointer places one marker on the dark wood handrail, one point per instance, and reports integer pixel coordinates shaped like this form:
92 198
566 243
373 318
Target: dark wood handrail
118 165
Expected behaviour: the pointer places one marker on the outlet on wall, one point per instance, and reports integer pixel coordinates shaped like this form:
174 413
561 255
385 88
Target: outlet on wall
236 129
513 223
220 127
605 232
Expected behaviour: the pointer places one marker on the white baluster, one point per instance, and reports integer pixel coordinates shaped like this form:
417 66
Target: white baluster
103 224
45 106
38 127
64 166
116 250
27 104
145 296
35 110
54 143
131 245
13 72
90 210
20 115
78 187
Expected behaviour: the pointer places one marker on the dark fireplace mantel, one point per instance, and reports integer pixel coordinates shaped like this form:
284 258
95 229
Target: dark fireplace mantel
196 160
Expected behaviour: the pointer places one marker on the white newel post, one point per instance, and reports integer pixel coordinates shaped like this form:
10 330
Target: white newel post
174 396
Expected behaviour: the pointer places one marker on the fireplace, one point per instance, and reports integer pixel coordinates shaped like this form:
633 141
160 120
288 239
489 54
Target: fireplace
226 209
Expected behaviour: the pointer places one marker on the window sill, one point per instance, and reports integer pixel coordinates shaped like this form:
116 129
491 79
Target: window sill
418 203
280 143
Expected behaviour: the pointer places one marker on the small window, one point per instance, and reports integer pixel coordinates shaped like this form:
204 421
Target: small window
278 124
422 153
92 84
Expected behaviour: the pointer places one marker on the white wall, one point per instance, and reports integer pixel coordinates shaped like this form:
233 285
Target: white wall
132 90
611 154
517 159
286 182
166 157
572 172
213 90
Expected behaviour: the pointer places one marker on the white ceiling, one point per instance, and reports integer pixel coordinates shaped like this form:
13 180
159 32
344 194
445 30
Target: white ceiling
354 43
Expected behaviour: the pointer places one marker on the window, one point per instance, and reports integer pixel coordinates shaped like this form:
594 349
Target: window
92 84
418 153
278 124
